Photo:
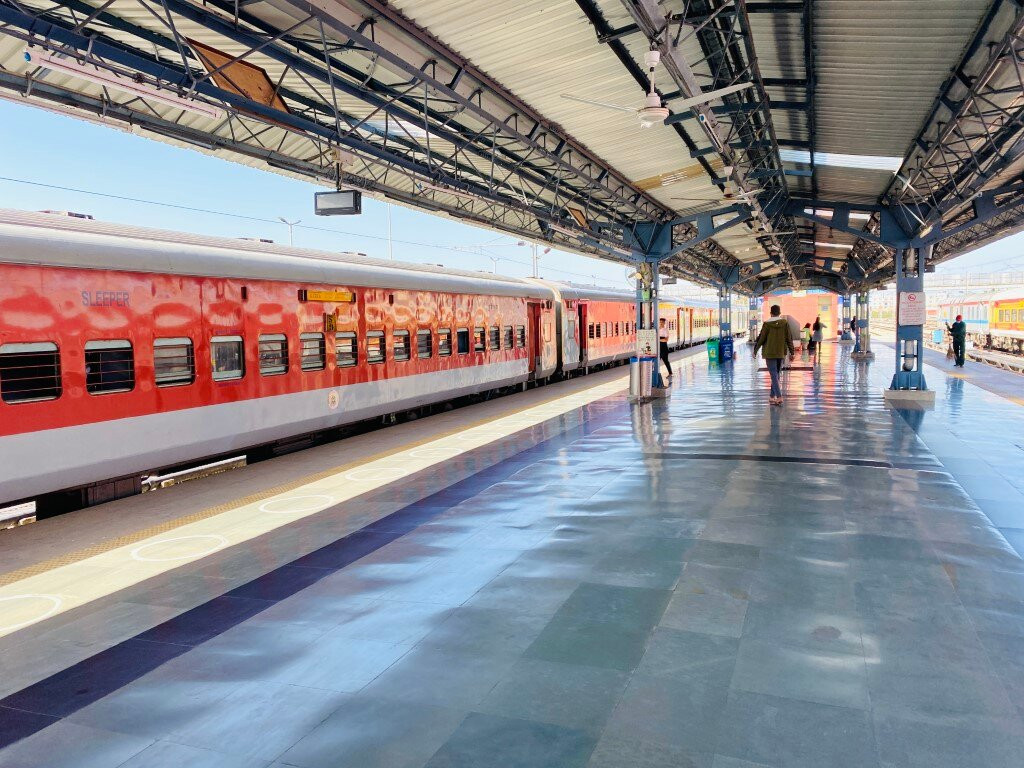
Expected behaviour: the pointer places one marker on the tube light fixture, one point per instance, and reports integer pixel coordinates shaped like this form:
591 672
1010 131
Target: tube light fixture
840 246
109 79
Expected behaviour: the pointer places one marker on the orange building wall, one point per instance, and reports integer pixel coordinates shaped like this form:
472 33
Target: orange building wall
805 308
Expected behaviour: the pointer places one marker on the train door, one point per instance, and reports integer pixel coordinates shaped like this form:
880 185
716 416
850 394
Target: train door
533 319
584 332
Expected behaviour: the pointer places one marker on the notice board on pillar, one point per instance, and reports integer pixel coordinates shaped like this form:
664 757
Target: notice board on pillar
647 342
912 308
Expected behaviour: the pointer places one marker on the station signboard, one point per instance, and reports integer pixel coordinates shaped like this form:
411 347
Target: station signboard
647 342
912 308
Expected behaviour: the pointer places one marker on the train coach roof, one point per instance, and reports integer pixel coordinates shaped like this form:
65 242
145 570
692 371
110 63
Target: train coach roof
587 292
51 240
1010 294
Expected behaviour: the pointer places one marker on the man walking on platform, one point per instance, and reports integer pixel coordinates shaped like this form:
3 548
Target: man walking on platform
777 340
959 333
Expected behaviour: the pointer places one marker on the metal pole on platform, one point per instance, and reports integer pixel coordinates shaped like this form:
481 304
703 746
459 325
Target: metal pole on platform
753 319
724 312
908 382
864 325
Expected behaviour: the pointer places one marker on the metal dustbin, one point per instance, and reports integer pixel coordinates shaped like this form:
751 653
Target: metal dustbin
712 350
725 351
646 375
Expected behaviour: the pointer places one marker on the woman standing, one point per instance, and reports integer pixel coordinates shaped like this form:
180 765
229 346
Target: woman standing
663 344
817 333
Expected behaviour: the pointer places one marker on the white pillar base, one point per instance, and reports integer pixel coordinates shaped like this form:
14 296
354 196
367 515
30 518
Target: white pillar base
909 398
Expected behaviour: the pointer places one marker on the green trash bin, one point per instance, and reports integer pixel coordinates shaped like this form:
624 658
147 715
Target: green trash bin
713 350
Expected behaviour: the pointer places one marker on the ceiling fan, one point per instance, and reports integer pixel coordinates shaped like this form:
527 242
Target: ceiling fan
653 111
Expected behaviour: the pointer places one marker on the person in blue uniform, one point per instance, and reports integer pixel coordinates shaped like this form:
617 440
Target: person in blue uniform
958 330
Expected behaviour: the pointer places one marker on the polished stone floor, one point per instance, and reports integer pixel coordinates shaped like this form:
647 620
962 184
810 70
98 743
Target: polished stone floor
704 582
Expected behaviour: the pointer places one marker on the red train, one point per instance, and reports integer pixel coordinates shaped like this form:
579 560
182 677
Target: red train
124 350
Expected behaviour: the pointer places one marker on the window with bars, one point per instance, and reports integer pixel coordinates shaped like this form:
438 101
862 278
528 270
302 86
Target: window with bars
273 352
346 350
29 372
424 343
590 331
375 348
401 342
227 358
109 366
444 342
463 341
174 362
597 328
313 351
521 336
495 337
479 340
510 338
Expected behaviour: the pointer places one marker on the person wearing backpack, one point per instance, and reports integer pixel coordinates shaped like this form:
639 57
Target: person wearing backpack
776 339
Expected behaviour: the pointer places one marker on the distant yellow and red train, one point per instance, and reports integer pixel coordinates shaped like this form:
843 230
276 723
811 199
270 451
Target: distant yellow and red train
994 321
126 351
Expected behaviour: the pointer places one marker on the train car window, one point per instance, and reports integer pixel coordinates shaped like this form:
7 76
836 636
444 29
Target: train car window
590 330
227 358
444 342
174 362
29 372
109 366
617 329
273 352
346 351
510 339
313 351
495 337
375 350
401 341
463 341
424 343
521 336
479 340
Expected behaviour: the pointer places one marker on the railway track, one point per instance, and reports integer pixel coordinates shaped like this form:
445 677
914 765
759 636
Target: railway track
1001 360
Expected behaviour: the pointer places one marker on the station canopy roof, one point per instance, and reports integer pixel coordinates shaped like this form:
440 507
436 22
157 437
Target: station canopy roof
783 137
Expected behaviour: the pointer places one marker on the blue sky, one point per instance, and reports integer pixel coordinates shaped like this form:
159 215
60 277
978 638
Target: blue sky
46 148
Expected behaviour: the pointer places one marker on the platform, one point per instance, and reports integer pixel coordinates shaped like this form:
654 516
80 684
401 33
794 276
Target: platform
554 579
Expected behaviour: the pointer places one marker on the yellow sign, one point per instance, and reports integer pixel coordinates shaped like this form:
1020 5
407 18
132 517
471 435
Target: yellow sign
343 296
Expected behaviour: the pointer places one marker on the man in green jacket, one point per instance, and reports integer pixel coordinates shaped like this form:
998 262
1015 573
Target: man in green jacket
777 340
959 333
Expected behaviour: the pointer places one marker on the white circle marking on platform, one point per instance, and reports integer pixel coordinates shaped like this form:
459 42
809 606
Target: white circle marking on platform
435 453
315 502
219 543
55 604
376 473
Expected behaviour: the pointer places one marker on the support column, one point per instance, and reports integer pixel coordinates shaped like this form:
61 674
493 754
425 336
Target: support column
724 312
753 319
864 353
908 384
847 302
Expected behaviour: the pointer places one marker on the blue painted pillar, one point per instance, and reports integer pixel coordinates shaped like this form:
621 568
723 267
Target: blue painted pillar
910 318
753 319
847 301
724 312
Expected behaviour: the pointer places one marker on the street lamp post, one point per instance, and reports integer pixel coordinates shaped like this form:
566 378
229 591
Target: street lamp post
291 227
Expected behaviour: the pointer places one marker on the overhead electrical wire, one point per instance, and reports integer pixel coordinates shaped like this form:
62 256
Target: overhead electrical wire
244 217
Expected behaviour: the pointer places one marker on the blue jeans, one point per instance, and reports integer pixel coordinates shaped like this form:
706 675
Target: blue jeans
774 369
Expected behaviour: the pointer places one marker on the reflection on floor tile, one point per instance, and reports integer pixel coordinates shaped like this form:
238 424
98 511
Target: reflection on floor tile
706 581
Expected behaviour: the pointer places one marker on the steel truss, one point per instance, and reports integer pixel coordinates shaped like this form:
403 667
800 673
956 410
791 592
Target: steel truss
971 141
432 133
